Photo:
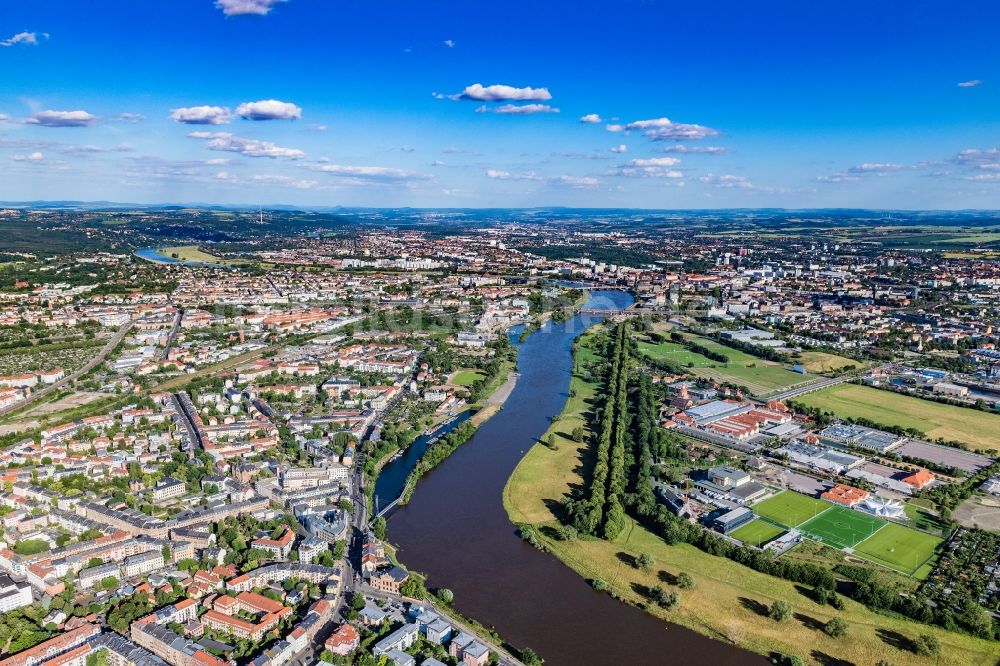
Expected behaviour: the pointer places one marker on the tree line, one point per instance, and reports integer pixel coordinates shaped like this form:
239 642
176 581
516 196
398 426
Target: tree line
602 511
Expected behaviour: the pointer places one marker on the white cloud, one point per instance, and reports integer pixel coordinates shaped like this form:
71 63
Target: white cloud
61 118
590 118
4 116
130 117
316 127
984 177
571 181
663 129
22 38
855 173
518 109
970 84
648 172
502 93
979 159
241 7
450 43
878 168
146 167
201 115
367 174
682 149
249 147
269 109
297 183
86 149
655 161
620 148
575 181
840 177
727 181
31 157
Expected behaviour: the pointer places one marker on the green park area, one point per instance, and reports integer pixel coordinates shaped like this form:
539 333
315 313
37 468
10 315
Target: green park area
675 353
467 377
980 430
194 253
759 376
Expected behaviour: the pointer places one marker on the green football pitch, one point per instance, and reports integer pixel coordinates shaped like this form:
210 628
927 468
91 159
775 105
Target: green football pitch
757 532
841 527
790 508
899 548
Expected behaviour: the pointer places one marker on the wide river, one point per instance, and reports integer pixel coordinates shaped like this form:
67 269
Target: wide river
456 531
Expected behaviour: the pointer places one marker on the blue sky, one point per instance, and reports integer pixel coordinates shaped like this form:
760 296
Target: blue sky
478 103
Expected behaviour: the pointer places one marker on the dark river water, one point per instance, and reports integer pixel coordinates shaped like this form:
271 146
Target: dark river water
456 531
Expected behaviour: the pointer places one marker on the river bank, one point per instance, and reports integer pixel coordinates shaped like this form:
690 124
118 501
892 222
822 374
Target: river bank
728 601
455 530
398 480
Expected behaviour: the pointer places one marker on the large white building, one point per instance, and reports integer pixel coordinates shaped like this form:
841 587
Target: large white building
13 595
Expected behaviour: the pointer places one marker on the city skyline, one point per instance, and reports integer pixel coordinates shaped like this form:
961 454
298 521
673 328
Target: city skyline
646 105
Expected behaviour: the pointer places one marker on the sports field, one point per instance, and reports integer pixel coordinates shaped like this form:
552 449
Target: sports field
790 508
979 429
841 528
757 532
899 548
466 377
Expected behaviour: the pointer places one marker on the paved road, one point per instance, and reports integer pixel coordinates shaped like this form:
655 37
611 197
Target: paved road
182 403
170 338
90 365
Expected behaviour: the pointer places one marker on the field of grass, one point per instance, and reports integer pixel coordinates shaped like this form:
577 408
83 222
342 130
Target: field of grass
756 374
676 353
977 429
726 598
817 361
757 532
193 253
759 380
790 508
970 239
828 556
466 377
841 527
899 548
924 520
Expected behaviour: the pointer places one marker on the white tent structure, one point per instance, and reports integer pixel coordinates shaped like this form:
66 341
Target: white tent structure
884 508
